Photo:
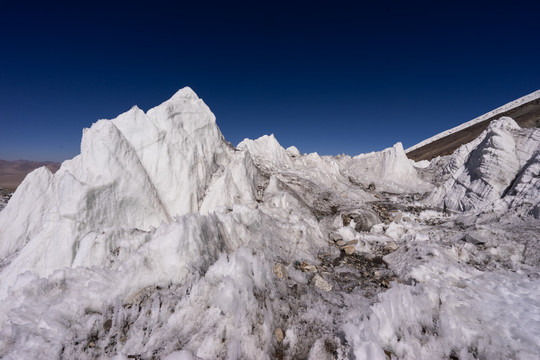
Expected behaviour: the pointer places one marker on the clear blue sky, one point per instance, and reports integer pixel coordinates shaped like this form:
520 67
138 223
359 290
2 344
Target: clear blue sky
332 77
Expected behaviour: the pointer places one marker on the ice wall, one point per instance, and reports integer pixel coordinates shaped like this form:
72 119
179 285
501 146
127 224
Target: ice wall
497 165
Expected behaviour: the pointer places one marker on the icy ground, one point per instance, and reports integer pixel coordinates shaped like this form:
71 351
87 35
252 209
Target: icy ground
161 240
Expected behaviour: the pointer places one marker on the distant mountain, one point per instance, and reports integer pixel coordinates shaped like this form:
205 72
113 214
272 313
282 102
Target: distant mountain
525 111
12 173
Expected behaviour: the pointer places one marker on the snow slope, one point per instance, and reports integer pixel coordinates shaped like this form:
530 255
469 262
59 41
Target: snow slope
160 240
511 105
498 164
390 169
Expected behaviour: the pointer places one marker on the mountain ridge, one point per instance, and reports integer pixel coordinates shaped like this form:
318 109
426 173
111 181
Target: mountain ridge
13 172
524 110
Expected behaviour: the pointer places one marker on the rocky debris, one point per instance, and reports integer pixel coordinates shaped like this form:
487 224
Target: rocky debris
310 268
320 283
383 212
356 272
280 271
305 267
335 237
107 325
390 246
473 240
371 187
5 195
349 249
279 335
395 210
364 219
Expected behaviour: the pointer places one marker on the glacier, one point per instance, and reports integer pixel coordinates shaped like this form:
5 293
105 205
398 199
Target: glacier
162 240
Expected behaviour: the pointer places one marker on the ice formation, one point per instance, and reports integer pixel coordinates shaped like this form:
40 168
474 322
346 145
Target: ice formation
161 240
498 164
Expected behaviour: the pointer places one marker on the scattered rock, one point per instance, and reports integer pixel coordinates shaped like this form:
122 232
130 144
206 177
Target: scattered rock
352 242
279 335
473 240
383 213
335 237
306 267
107 325
91 344
320 283
371 187
398 217
280 270
364 219
391 246
349 249
341 243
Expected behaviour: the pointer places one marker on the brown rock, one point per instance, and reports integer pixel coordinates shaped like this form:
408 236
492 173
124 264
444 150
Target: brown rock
335 237
391 246
349 249
107 325
279 335
280 270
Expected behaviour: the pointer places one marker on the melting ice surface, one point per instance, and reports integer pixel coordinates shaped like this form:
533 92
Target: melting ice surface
161 240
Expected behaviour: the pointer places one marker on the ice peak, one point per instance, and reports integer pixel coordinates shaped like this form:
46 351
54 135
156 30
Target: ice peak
504 122
398 146
185 93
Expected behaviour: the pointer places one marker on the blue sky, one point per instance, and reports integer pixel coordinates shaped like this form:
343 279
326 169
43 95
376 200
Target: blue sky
332 77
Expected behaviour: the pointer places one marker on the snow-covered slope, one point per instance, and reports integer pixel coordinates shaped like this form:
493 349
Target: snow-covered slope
498 164
511 105
160 240
390 169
